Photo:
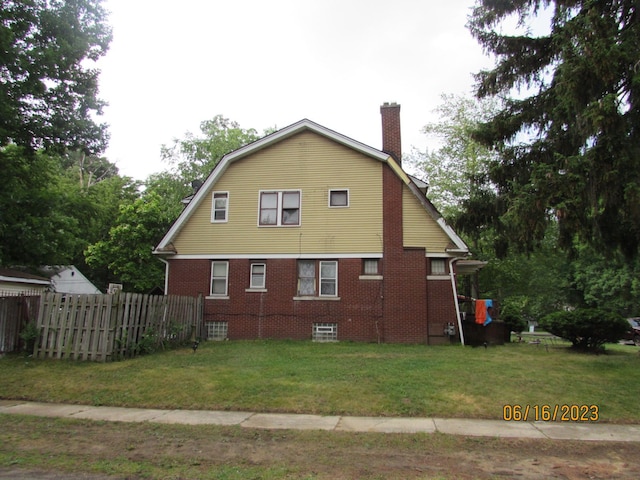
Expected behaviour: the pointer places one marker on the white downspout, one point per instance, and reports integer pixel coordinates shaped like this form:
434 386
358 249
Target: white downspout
454 290
166 275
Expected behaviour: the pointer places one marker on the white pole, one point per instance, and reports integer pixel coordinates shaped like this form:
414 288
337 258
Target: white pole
454 289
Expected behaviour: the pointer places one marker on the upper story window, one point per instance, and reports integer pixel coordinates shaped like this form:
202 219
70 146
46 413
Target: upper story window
220 207
339 198
279 208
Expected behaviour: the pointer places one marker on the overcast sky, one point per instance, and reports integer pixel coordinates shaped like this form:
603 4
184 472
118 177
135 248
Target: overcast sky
173 64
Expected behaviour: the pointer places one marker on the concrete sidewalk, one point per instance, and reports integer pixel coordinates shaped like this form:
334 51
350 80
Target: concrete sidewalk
451 426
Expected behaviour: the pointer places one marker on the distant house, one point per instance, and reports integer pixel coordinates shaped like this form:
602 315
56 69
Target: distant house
68 279
15 282
309 234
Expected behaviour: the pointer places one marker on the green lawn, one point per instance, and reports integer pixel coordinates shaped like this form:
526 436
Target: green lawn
341 378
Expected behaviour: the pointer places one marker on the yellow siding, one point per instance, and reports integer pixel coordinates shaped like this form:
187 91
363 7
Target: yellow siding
306 162
419 228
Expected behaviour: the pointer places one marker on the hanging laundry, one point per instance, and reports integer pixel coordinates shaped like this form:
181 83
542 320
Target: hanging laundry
489 309
481 312
484 309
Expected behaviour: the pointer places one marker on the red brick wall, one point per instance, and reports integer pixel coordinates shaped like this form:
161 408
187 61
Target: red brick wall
189 277
415 309
404 271
275 313
442 309
391 132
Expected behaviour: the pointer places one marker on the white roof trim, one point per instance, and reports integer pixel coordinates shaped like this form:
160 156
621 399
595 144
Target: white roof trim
32 281
462 247
275 256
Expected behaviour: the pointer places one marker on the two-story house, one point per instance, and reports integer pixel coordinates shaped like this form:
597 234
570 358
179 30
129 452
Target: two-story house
307 233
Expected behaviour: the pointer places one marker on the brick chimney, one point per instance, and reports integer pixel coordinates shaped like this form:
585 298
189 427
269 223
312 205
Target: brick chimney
391 143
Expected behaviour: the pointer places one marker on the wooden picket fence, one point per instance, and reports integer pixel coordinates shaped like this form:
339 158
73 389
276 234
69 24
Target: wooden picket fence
111 327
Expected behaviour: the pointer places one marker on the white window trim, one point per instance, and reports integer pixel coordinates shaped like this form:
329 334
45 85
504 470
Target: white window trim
315 278
331 190
317 282
320 263
226 284
444 266
213 208
253 287
279 223
325 332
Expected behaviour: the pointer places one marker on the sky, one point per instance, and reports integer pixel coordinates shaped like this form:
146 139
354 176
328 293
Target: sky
265 64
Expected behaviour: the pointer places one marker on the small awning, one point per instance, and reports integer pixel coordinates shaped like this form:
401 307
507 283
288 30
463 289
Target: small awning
469 267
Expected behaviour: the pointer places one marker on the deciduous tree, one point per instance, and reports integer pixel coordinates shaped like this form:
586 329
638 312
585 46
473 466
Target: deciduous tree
48 84
193 157
457 170
126 252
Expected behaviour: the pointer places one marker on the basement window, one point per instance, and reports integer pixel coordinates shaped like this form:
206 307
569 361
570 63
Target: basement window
325 332
217 330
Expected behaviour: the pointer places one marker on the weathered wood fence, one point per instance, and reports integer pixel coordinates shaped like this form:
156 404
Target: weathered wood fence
15 312
110 327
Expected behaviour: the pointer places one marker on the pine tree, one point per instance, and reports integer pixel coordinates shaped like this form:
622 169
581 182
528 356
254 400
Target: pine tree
569 132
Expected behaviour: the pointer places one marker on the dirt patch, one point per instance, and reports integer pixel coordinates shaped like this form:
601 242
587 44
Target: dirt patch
55 449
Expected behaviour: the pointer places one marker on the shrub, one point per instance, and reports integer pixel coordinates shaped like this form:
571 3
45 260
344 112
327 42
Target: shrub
29 334
514 323
586 329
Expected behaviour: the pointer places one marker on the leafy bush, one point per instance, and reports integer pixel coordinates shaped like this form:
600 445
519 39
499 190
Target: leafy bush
514 323
587 329
29 334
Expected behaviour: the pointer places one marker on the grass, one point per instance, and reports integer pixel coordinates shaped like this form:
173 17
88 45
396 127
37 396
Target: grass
341 378
208 452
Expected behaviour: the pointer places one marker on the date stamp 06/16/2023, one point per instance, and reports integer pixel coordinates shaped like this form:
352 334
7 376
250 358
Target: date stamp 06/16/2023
551 413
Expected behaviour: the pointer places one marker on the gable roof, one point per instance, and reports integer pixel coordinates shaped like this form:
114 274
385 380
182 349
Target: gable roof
68 279
165 246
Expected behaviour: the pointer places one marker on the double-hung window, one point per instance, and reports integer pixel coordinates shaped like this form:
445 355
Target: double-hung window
307 278
219 278
312 273
279 208
258 271
220 207
328 279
